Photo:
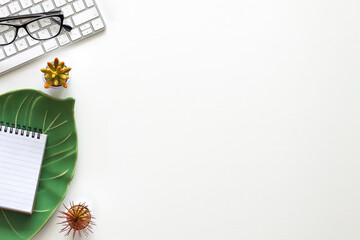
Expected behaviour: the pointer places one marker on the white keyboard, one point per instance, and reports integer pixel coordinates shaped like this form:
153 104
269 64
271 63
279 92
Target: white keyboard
83 15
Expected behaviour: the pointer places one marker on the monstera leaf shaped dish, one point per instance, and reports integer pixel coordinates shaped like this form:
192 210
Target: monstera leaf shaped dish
56 119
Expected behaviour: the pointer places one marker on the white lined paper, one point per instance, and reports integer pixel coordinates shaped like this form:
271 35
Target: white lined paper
20 164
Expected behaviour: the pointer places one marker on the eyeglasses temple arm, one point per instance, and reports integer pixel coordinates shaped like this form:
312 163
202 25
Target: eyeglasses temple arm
34 15
68 28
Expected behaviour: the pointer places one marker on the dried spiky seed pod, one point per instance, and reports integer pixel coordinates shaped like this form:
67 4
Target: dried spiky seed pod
77 218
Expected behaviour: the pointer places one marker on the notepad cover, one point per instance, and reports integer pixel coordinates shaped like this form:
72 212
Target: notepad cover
21 155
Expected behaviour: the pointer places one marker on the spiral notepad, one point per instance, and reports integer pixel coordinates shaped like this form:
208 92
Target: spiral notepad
21 155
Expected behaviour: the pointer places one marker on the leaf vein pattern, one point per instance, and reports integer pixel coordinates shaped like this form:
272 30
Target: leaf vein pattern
27 108
5 103
57 125
68 136
55 177
54 161
18 111
11 226
41 211
58 153
44 119
32 107
52 122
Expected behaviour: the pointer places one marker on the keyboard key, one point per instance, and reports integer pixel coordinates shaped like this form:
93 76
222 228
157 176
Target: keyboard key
32 27
20 58
3 28
32 41
10 35
36 9
37 1
22 32
14 7
2 2
21 44
85 16
26 3
4 12
89 3
45 22
67 10
75 34
87 31
44 34
48 6
54 29
85 26
59 3
63 39
10 49
79 5
24 12
50 45
68 21
97 24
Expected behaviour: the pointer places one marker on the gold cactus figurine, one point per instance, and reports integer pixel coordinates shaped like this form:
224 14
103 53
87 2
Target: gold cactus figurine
56 74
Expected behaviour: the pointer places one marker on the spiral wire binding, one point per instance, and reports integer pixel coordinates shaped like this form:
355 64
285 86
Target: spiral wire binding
23 131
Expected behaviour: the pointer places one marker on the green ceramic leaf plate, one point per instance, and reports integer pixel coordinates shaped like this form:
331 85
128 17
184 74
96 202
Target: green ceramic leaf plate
56 119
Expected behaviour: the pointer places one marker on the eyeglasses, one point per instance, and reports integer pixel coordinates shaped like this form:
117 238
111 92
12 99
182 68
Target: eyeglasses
42 26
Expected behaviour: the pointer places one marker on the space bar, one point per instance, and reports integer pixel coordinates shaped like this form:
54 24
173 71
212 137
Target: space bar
20 58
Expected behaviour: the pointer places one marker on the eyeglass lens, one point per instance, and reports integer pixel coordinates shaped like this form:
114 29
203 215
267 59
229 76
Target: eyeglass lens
41 29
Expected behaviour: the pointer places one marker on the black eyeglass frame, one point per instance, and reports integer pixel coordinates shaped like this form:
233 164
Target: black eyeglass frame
36 16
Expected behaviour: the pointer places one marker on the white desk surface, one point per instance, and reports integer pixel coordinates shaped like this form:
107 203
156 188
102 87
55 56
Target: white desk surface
216 120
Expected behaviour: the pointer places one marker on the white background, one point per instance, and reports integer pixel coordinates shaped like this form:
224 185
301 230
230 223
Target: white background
215 119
